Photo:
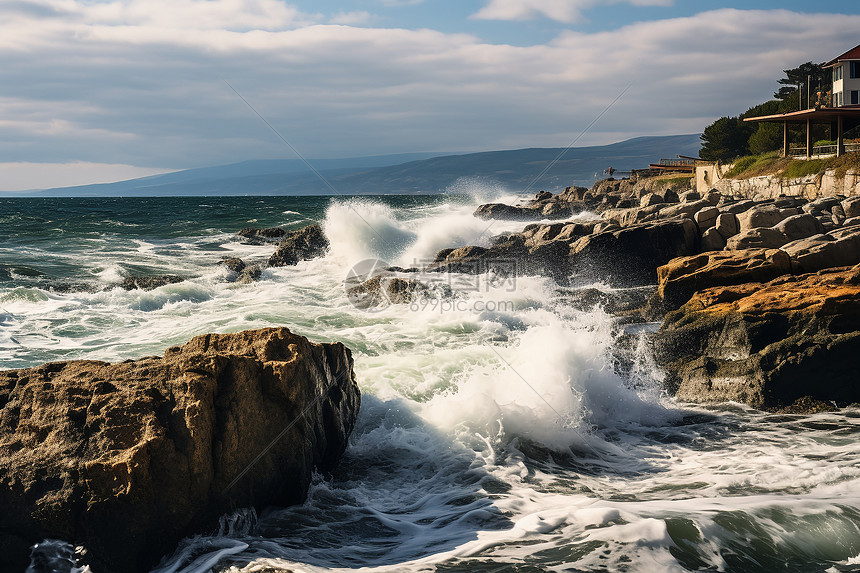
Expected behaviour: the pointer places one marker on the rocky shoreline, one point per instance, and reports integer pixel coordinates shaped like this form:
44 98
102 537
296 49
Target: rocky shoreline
758 299
126 459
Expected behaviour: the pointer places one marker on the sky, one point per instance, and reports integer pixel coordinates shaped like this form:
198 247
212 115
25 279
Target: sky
97 91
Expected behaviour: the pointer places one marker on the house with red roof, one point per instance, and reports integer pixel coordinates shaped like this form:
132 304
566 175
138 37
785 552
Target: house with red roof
846 78
842 115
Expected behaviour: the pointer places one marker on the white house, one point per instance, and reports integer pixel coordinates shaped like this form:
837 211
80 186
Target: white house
846 78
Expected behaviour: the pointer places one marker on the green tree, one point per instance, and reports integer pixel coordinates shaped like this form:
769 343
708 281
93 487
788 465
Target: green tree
820 78
765 136
725 139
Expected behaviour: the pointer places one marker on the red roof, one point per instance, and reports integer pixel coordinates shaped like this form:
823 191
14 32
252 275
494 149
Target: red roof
852 54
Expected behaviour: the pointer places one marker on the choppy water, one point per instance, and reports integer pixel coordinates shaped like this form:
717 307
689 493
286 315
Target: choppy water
495 433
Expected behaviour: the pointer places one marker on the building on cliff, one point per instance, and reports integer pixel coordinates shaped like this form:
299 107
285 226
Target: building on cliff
842 115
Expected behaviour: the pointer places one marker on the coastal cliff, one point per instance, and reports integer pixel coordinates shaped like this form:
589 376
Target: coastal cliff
126 459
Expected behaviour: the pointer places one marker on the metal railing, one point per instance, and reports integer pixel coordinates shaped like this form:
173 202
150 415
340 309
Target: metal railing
799 151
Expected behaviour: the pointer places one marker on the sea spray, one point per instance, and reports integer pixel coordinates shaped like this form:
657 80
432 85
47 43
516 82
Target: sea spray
456 463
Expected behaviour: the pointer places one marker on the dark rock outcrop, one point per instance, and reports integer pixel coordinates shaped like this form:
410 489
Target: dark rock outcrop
260 236
306 243
630 255
767 345
240 272
128 458
149 283
383 290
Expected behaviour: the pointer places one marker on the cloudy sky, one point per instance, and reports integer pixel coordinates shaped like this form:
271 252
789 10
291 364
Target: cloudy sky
103 90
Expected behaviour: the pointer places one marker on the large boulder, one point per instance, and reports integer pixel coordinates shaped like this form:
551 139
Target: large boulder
306 243
756 238
835 249
767 345
799 227
678 279
631 255
129 458
760 216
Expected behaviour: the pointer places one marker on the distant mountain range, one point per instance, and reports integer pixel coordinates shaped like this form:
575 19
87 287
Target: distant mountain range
551 169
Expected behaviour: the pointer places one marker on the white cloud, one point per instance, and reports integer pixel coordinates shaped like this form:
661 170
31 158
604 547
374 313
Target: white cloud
567 11
143 93
357 18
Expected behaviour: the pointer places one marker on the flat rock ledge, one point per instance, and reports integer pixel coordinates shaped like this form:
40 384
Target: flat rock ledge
127 459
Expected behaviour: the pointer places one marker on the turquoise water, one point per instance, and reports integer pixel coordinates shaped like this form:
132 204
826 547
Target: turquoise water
495 435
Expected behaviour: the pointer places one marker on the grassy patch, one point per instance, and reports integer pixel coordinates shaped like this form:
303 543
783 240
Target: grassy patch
846 163
674 182
754 165
797 168
786 168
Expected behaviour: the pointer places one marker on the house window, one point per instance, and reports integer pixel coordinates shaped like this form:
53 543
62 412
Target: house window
855 70
837 73
855 97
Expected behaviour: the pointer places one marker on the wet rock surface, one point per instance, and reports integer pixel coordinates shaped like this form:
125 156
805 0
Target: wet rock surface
128 458
306 243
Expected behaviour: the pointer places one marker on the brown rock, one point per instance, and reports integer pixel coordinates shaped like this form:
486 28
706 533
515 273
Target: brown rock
851 207
712 240
756 238
767 345
129 458
678 279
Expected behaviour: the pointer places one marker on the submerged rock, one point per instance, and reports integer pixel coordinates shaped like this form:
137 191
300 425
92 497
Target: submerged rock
128 458
149 283
306 243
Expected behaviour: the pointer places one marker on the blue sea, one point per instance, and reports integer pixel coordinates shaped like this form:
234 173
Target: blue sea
497 434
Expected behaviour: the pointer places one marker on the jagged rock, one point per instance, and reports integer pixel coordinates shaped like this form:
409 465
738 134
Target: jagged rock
650 199
631 255
149 283
756 238
573 231
712 240
669 196
306 243
799 227
542 196
544 233
556 210
851 222
727 224
241 272
381 291
766 345
678 279
129 458
233 264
